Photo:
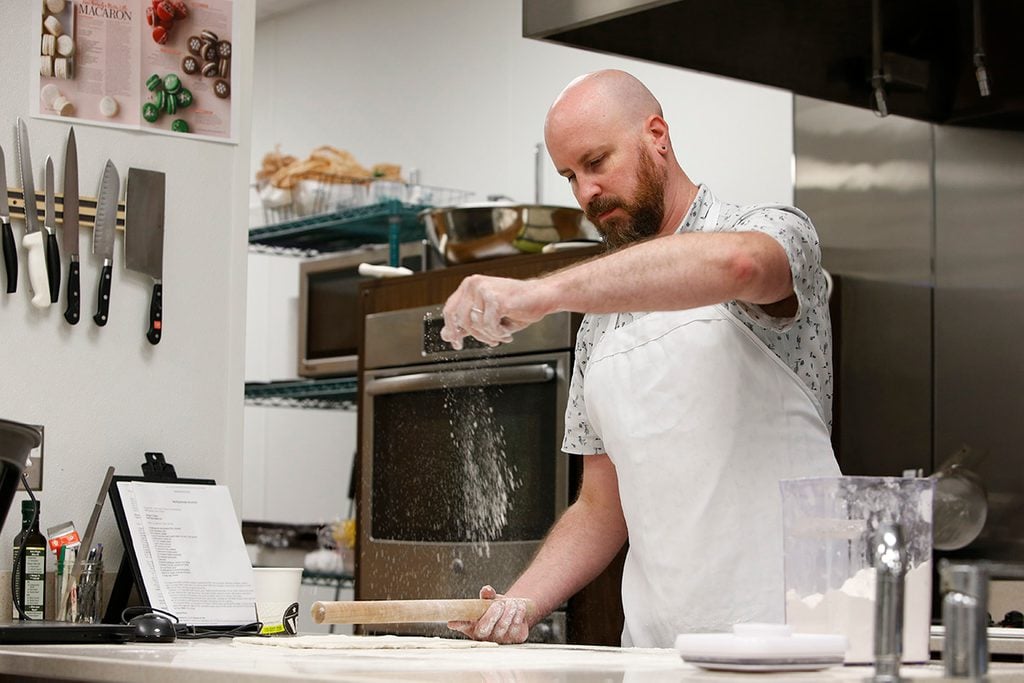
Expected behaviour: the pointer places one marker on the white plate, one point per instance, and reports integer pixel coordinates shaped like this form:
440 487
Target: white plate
764 666
761 647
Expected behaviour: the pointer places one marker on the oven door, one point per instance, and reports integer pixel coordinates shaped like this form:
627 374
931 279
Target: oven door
462 473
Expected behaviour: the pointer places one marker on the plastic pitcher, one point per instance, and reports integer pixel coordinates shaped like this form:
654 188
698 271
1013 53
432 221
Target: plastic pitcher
829 565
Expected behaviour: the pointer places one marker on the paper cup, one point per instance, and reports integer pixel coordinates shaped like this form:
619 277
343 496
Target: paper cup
277 589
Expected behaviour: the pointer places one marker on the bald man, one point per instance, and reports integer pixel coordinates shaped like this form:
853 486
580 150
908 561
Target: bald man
702 377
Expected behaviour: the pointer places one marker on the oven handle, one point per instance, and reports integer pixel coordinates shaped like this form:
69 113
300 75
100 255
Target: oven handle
457 379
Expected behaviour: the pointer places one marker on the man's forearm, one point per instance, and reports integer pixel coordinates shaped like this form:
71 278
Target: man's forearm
673 273
578 548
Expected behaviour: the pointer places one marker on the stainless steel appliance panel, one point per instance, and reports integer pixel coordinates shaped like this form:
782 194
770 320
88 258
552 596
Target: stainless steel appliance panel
417 463
436 437
865 182
979 320
407 343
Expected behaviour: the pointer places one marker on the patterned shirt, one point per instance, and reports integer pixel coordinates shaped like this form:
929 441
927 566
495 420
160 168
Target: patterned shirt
803 342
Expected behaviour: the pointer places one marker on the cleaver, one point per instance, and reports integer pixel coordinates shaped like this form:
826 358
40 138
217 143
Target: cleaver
144 238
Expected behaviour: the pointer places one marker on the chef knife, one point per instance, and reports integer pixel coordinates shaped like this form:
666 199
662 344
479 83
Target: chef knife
33 239
70 234
402 611
50 222
103 237
144 237
10 251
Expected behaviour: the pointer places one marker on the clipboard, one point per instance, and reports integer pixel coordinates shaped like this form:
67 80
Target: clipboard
129 572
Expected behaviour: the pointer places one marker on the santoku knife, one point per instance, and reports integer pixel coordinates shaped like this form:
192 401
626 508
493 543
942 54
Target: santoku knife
103 237
144 238
70 234
33 239
50 223
10 250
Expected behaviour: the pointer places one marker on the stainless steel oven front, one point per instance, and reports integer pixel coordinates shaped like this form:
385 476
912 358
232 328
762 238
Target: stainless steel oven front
462 471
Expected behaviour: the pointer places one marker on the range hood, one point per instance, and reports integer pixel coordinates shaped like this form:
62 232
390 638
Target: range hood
923 59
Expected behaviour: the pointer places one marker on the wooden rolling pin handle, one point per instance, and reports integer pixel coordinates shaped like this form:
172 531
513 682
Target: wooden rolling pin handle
402 611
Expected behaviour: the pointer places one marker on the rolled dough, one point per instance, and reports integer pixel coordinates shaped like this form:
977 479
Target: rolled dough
339 641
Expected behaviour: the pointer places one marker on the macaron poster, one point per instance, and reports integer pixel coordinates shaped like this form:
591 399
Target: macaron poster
160 66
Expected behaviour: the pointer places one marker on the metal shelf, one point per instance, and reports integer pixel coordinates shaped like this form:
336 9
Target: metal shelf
390 221
336 393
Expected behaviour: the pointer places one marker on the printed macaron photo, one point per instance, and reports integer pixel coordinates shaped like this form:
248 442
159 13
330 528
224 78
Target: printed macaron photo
209 56
167 96
162 15
57 42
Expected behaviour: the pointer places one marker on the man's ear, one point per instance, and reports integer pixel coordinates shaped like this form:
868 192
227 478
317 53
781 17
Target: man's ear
657 131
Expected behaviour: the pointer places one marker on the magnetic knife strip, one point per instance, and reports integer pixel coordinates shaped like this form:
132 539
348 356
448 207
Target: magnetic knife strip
86 208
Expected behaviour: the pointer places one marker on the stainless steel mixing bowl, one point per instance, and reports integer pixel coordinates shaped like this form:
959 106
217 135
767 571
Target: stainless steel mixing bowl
472 232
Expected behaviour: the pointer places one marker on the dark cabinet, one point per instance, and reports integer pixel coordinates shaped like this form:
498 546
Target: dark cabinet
930 59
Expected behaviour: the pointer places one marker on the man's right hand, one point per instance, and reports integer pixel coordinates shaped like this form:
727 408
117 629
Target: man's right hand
506 621
492 309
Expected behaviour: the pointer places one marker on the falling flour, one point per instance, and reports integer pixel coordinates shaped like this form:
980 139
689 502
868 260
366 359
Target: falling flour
850 611
487 481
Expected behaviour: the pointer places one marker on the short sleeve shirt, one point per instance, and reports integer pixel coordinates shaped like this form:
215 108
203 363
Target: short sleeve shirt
803 342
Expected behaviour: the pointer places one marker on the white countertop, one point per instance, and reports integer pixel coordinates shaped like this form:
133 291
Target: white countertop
223 662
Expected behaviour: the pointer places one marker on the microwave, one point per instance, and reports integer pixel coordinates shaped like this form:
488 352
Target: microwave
329 325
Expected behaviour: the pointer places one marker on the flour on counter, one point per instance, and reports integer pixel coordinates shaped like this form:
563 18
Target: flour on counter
850 611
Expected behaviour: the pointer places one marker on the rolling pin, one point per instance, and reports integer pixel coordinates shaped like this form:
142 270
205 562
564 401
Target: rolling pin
401 611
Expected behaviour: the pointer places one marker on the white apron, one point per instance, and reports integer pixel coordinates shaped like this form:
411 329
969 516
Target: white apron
701 421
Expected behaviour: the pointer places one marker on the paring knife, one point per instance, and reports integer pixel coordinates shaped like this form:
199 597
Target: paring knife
144 237
10 250
103 237
33 239
70 234
50 222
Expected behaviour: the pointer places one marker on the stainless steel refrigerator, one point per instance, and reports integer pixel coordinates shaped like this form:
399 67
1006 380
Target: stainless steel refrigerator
922 227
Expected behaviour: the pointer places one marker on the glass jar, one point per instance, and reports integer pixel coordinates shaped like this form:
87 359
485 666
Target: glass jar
829 524
89 594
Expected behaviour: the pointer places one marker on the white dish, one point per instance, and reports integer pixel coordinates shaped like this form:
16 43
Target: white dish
761 647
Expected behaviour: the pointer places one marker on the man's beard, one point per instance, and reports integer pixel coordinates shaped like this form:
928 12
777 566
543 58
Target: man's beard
643 215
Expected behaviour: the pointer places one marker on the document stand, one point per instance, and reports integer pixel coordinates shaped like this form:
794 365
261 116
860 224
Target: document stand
129 575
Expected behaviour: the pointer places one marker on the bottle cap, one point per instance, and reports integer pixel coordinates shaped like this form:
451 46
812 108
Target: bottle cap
28 507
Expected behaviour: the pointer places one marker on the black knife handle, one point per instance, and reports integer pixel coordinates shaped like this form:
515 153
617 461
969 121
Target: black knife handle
156 314
103 302
74 296
53 266
10 258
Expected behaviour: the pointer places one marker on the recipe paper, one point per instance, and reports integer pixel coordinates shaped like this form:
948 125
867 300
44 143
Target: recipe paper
190 551
114 54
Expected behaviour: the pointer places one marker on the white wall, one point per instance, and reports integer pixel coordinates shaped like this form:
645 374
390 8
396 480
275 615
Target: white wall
452 88
104 394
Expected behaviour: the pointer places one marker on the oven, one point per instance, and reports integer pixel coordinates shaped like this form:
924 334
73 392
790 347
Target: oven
462 470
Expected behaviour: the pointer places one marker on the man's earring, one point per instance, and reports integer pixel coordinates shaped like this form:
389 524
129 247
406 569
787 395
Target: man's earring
663 148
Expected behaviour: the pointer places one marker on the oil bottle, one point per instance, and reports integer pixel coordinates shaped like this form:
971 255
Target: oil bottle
30 569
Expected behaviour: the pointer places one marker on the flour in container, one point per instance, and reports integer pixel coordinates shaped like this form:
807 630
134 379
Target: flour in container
850 611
